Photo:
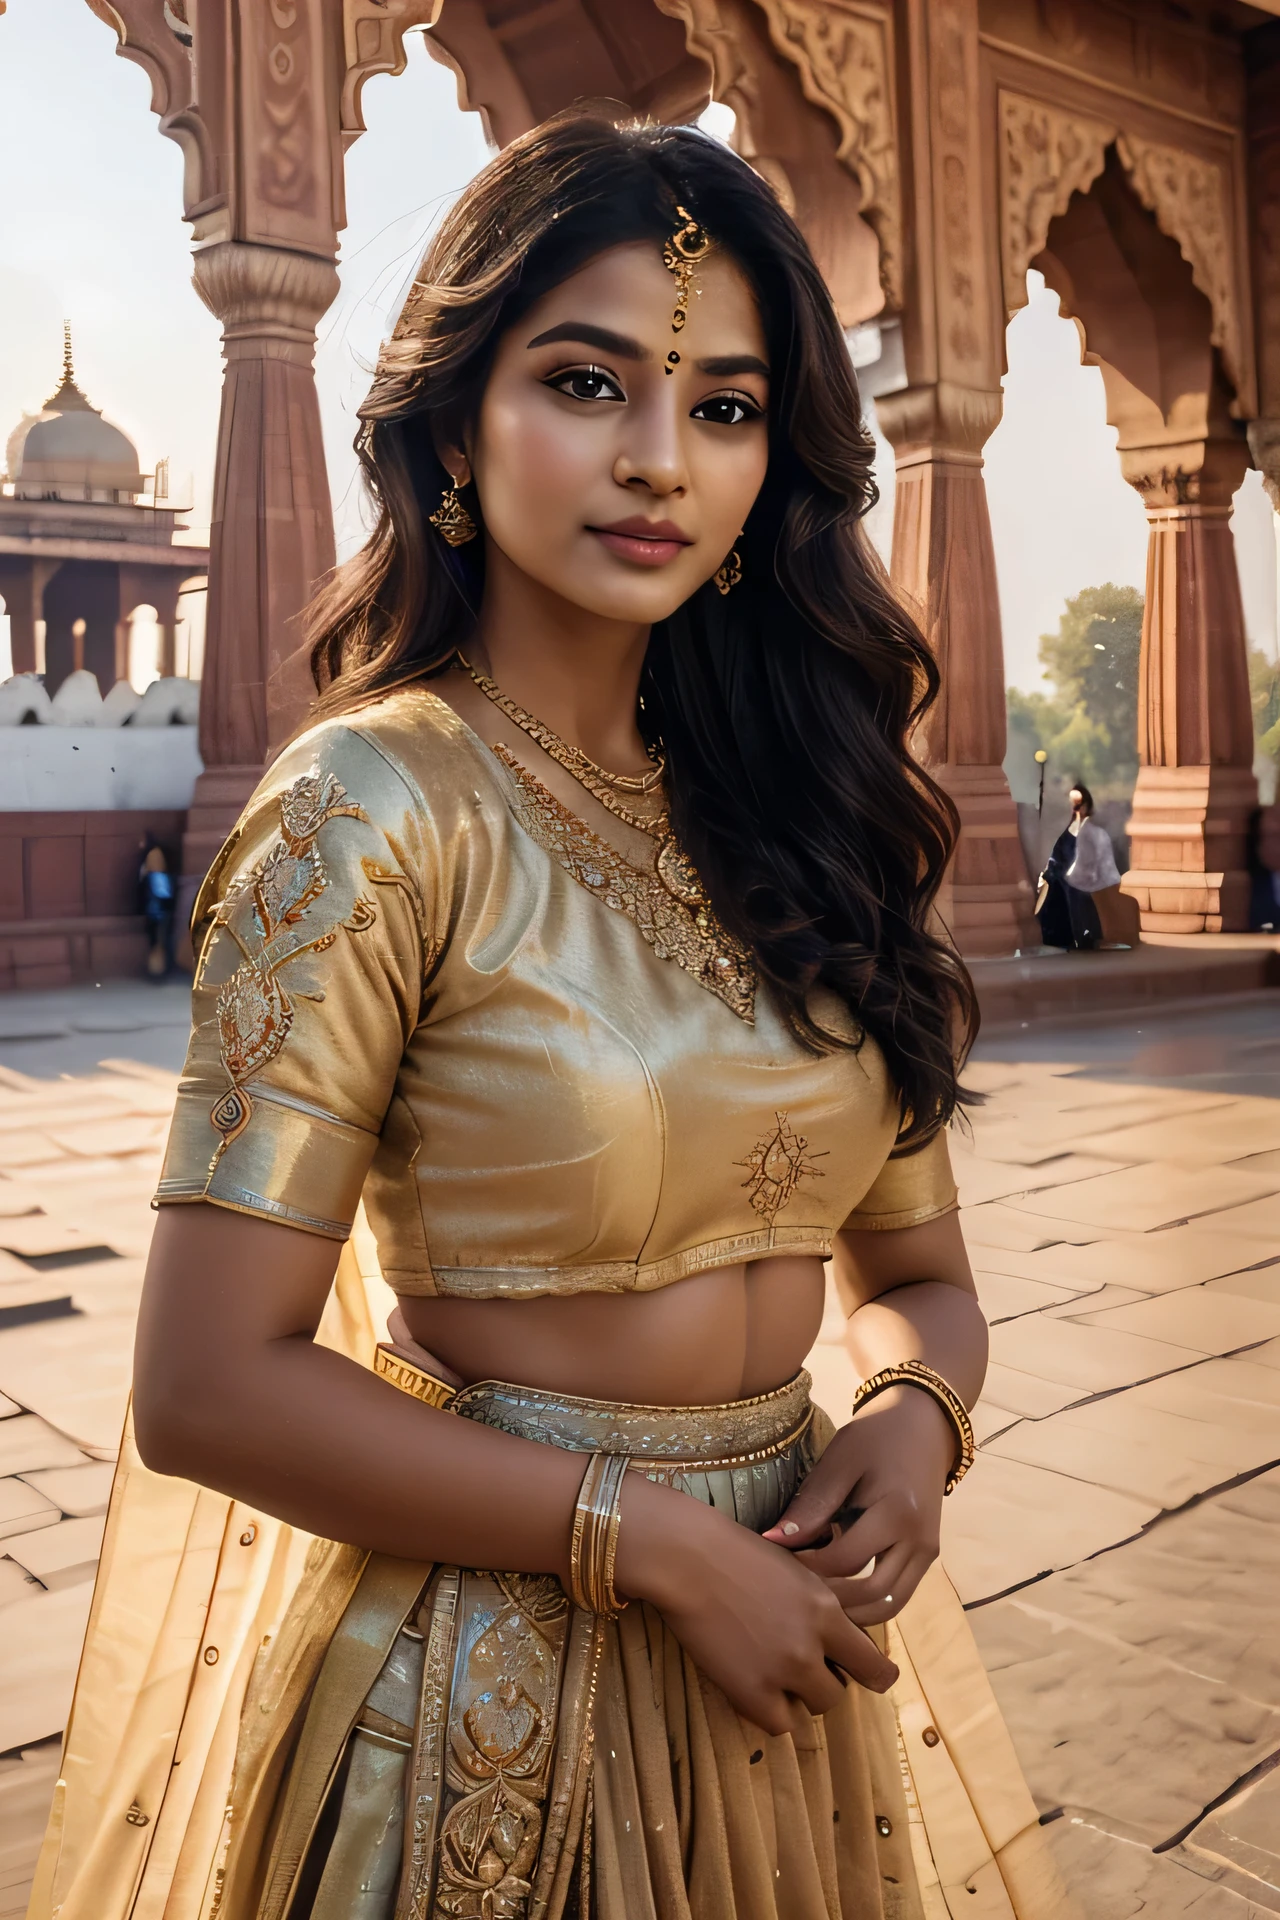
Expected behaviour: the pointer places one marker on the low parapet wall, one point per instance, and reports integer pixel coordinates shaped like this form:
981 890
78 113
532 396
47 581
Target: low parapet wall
69 893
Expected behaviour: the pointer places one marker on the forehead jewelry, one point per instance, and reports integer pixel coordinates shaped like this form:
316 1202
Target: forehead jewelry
687 245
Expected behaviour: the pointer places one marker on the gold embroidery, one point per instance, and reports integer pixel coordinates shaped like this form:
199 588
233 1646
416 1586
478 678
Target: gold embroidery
254 1011
502 1729
694 940
776 1166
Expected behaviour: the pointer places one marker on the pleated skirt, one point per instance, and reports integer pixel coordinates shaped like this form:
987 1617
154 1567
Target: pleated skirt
476 1748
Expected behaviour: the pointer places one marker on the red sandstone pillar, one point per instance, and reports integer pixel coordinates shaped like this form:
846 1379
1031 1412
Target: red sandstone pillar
271 537
943 561
1195 728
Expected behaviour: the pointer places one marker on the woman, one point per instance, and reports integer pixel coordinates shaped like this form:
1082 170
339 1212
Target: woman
615 1060
1083 906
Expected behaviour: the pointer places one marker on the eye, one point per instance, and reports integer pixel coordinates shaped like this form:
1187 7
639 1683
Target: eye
586 383
727 410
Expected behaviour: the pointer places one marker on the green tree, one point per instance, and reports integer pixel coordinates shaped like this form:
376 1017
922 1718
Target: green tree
1264 689
1089 724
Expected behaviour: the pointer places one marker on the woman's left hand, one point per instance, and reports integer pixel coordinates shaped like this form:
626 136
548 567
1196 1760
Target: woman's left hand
891 1463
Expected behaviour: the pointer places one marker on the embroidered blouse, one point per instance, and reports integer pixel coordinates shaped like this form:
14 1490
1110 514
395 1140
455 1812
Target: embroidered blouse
421 979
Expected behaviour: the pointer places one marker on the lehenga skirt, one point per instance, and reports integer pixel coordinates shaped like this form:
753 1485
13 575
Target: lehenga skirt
254 1729
477 1748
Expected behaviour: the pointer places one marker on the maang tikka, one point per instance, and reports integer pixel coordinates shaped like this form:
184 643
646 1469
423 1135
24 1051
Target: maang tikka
680 254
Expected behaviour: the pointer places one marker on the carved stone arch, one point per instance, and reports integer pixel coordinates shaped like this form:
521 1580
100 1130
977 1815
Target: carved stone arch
842 54
1048 153
519 61
156 37
373 34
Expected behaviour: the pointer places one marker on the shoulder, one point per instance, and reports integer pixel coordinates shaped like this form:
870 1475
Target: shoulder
395 782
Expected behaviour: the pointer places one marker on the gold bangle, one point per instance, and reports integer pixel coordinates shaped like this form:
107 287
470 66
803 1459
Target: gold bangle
914 1373
411 1378
593 1551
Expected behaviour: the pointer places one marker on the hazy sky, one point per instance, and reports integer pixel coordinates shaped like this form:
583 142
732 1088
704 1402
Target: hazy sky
90 229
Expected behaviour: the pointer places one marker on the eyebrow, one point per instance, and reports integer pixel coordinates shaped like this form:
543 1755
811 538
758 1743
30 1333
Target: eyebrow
583 333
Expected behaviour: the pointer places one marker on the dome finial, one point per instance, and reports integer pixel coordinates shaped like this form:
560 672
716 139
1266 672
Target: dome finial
68 398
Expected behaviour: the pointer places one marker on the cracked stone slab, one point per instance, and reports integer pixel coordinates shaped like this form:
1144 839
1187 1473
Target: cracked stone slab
58 1556
75 1374
1238 1845
23 1507
1016 1522
1256 1219
26 1787
39 1653
1156 1194
1146 1682
1102 1725
1157 1262
980 1180
1202 1321
1243 1128
1089 1359
1126 1881
77 1491
997 1225
28 1443
1004 1296
1139 1450
1024 1394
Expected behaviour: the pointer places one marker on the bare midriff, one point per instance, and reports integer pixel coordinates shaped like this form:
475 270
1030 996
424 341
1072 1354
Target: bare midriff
718 1336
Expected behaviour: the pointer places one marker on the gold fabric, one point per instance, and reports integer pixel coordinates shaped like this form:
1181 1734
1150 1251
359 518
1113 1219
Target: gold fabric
175 1578
563 1758
403 989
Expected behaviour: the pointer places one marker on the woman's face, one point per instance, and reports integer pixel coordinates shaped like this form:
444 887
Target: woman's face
609 472
1077 803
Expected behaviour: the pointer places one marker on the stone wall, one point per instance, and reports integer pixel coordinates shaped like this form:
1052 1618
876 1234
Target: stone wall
69 893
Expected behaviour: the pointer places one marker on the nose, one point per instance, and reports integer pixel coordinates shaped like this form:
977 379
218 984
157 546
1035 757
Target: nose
652 454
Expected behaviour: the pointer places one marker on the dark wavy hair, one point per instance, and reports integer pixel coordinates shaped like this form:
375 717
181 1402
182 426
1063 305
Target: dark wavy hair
785 708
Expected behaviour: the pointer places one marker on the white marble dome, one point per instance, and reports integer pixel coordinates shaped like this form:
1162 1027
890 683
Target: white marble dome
69 452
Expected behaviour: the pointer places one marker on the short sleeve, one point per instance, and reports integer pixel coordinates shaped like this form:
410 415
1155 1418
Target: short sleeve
310 936
908 1190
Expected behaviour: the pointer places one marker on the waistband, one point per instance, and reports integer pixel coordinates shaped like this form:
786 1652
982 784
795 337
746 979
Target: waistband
737 1433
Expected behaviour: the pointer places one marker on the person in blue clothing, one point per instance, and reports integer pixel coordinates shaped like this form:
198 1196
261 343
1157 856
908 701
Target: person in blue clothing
155 889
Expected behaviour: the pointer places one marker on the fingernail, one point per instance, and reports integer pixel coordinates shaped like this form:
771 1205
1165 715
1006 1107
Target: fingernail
789 1527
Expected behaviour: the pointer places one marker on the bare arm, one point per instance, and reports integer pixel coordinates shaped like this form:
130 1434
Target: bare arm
231 1390
910 1296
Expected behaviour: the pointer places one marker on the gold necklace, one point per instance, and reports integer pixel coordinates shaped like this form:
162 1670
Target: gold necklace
671 864
601 785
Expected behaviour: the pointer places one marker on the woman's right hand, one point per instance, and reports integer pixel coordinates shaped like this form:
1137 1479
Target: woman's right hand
766 1630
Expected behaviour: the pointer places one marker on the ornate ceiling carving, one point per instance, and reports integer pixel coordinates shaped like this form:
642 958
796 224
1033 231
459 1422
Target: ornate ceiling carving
1048 153
842 51
373 41
844 55
1190 198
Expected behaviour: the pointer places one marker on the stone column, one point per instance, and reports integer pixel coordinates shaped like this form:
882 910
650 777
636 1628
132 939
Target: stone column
943 564
261 95
1195 785
22 593
271 536
943 561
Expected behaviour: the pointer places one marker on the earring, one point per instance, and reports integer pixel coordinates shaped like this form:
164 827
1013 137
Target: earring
730 573
452 521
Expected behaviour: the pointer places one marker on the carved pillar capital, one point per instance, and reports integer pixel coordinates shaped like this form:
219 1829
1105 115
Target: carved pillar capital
940 421
269 301
1203 475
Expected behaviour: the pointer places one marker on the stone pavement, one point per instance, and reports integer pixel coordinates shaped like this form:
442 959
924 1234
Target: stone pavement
1117 1543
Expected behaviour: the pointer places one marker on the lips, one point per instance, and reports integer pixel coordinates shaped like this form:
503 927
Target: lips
646 543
